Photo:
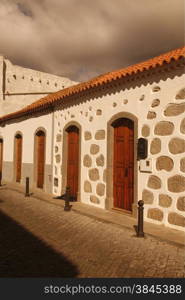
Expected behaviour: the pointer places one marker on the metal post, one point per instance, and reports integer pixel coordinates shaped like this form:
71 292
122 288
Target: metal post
0 178
27 193
140 232
67 206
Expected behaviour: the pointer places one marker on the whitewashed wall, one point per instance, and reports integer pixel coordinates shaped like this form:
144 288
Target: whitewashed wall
27 128
21 86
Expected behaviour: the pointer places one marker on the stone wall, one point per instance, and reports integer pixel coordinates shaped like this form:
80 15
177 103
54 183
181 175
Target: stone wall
93 153
160 113
165 191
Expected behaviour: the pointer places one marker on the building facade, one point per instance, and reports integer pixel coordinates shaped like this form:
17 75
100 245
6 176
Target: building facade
113 140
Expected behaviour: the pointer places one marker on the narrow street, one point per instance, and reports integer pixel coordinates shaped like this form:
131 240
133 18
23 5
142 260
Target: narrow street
39 239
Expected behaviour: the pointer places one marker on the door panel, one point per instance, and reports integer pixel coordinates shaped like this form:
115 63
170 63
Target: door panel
40 159
123 165
18 157
73 160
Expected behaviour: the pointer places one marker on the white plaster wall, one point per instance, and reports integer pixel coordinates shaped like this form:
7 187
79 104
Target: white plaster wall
1 76
27 128
24 86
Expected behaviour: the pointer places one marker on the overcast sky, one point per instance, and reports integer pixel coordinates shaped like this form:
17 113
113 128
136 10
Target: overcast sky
81 39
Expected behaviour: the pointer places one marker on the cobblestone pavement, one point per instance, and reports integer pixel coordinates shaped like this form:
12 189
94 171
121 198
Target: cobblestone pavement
39 239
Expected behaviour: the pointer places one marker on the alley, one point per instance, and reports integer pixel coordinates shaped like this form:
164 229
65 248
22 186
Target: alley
39 239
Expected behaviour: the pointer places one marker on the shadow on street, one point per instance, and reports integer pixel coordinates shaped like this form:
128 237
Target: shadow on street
24 255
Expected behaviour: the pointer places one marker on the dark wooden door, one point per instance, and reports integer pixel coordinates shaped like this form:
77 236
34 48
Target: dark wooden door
18 155
1 157
123 166
73 160
40 159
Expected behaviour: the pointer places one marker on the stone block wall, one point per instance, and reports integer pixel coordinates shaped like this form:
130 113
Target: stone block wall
93 153
159 107
164 193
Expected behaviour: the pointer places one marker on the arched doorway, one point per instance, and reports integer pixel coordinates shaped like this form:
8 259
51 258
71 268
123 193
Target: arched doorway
40 157
123 164
18 157
72 160
1 157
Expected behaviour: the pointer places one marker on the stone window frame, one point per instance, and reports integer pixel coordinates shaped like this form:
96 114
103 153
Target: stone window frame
35 158
64 158
109 177
17 133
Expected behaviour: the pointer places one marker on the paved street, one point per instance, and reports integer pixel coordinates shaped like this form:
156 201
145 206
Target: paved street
39 239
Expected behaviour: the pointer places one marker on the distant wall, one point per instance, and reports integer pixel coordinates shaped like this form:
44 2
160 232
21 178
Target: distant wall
21 86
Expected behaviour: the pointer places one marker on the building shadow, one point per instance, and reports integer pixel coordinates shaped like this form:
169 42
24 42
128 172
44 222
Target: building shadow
24 255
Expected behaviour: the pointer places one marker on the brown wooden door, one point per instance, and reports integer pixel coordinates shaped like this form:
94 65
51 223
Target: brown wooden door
1 157
73 160
40 158
123 166
18 157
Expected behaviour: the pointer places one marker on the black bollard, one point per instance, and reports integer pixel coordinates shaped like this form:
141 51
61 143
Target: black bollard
0 178
27 193
67 206
140 232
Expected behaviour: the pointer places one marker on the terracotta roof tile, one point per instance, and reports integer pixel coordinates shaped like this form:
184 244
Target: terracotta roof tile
47 101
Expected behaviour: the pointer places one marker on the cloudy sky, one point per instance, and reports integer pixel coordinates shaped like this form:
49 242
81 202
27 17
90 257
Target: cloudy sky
81 39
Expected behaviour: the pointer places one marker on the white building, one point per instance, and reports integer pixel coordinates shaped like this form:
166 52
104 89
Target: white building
88 137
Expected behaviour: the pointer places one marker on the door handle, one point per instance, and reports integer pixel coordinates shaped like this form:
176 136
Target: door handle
126 172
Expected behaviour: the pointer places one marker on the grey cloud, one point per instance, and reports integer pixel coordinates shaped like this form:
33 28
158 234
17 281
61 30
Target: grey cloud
25 10
81 39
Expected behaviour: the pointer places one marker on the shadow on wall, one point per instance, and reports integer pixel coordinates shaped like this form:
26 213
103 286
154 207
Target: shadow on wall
24 255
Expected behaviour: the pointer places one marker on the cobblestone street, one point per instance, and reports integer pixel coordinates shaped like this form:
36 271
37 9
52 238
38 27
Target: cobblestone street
39 239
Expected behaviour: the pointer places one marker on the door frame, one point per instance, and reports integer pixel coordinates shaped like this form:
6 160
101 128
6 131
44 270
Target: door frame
65 157
18 133
35 173
109 204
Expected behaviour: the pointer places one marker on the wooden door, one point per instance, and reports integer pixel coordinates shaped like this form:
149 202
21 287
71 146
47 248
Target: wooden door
40 158
18 157
73 160
1 157
123 165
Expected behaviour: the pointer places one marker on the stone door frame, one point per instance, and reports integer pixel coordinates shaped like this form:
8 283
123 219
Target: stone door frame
35 158
65 155
110 157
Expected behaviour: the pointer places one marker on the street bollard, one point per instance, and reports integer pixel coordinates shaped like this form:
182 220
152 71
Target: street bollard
140 232
27 193
139 227
0 178
67 206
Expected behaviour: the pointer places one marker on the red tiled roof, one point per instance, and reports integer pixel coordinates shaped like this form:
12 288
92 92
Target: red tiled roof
49 100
